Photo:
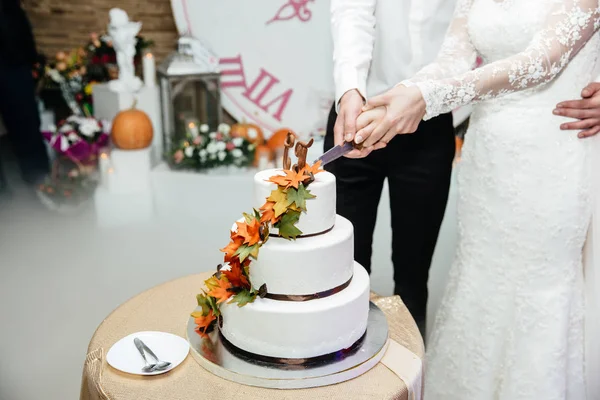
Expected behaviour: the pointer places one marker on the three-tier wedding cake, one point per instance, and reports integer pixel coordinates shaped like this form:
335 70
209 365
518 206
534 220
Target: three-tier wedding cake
289 289
318 296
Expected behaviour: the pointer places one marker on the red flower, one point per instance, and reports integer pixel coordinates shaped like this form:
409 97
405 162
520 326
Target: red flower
230 146
219 137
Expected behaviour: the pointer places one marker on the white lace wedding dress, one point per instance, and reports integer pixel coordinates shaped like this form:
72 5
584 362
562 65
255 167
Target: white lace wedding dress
511 325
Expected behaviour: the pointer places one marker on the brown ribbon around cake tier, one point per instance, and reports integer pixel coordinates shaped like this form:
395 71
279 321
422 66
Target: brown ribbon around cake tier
292 363
305 236
307 297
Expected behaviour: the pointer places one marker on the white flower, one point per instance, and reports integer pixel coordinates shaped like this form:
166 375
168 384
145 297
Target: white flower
203 153
204 128
189 151
213 156
212 135
222 155
236 153
250 147
52 128
73 137
221 146
224 129
252 133
66 128
212 148
238 141
88 127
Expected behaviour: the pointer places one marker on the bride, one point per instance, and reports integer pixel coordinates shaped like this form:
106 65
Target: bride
512 322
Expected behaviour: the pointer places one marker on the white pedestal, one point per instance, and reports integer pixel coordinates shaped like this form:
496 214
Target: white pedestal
108 103
118 209
125 193
131 171
216 200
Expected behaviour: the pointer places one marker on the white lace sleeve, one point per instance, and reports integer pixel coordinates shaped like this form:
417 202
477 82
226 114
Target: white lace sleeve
569 26
457 54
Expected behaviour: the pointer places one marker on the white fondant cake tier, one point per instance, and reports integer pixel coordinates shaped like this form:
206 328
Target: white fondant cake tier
308 265
320 214
287 329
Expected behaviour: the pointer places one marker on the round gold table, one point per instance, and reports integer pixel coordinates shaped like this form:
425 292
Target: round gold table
167 307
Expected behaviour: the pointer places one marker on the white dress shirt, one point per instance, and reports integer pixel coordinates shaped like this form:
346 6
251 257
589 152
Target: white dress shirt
379 43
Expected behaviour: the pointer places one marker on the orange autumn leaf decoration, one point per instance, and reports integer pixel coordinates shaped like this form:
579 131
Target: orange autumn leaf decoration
290 179
203 322
312 169
220 291
268 213
232 247
249 232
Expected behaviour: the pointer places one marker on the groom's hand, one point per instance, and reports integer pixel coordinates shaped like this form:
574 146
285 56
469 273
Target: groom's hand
586 110
351 105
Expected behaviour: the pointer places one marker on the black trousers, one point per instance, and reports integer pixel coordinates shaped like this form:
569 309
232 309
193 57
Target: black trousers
20 115
418 168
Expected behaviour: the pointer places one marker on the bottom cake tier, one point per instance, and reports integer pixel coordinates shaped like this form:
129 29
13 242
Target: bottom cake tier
289 329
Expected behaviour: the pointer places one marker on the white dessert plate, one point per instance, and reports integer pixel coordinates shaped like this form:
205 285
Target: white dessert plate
124 356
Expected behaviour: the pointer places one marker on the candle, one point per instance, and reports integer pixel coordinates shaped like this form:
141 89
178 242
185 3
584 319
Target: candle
193 129
110 179
103 166
149 70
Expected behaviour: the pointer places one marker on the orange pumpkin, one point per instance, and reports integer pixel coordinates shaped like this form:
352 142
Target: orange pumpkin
277 139
262 151
250 132
132 130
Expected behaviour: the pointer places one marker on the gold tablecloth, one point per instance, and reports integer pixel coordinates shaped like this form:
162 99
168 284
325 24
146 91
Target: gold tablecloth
167 307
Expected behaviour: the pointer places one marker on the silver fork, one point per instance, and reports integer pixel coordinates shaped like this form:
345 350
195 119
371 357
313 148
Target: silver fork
139 345
159 364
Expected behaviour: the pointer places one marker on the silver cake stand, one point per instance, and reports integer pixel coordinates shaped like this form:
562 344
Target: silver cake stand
215 355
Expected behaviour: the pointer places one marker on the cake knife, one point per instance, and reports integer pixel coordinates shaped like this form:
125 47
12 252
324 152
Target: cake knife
337 152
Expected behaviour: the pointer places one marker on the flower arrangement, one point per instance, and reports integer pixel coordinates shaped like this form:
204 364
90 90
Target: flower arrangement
231 283
201 150
77 141
78 138
75 72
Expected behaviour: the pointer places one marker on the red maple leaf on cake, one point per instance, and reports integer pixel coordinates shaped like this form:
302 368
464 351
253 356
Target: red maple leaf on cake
203 322
219 289
235 274
290 179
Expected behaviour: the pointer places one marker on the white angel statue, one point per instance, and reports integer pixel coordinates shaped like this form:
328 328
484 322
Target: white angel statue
123 34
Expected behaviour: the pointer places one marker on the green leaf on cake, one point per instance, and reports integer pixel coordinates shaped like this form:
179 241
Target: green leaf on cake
213 304
287 225
281 200
245 251
207 303
244 297
299 196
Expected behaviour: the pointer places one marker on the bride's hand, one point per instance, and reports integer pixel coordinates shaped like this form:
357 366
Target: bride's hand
405 108
366 122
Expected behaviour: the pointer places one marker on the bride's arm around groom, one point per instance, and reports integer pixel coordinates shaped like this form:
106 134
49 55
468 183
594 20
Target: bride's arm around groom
441 87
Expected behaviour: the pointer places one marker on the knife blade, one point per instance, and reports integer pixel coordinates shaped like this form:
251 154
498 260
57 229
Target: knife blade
337 152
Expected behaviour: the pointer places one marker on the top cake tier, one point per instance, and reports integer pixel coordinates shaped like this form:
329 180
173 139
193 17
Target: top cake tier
320 214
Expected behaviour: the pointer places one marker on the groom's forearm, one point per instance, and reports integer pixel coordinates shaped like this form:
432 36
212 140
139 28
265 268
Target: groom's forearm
353 33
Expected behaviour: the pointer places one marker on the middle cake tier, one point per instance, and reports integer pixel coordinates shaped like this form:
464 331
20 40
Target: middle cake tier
307 266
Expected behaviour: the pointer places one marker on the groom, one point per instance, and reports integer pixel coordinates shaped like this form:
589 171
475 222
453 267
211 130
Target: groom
378 43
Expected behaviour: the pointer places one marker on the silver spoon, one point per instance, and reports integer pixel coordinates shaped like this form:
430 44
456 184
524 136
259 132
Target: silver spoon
159 365
139 345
